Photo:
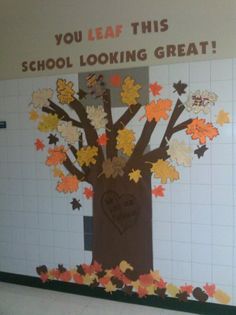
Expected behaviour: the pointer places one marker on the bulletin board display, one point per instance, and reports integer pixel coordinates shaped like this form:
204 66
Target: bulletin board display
123 180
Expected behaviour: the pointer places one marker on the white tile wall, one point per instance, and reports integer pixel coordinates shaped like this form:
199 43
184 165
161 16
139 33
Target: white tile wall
194 238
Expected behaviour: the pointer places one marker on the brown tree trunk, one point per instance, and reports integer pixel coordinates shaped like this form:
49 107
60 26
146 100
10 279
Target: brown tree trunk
122 223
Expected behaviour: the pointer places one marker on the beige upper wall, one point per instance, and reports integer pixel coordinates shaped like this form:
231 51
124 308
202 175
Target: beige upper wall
28 29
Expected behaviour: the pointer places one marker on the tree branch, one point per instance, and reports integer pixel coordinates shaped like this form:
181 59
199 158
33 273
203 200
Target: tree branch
111 143
74 171
62 115
127 116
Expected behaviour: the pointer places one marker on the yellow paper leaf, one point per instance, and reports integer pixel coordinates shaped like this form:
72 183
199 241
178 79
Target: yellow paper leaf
135 175
57 172
222 118
65 91
151 290
129 94
86 155
33 115
156 275
135 284
172 290
222 297
48 122
110 287
88 279
164 170
125 141
125 266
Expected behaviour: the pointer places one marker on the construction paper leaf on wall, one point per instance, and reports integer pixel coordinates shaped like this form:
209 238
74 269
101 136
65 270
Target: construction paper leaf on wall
114 167
87 155
222 118
158 191
39 145
88 192
69 132
97 116
158 109
53 139
180 87
164 170
210 289
65 91
201 130
115 80
200 101
200 151
102 139
155 88
76 204
68 184
129 93
48 122
82 94
57 172
179 152
135 175
40 98
33 115
222 297
56 156
125 141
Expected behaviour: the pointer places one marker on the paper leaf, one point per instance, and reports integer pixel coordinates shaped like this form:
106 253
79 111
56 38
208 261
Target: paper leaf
53 139
142 292
102 139
222 118
210 289
155 88
39 145
114 167
33 115
164 170
115 80
57 156
200 101
124 266
57 172
180 87
125 141
135 175
187 288
222 297
87 155
110 287
172 289
200 151
69 132
40 98
179 152
48 122
68 184
65 92
97 116
82 94
129 93
76 204
158 191
158 109
88 193
201 130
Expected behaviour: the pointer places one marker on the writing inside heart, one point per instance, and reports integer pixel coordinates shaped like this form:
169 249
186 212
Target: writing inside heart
122 210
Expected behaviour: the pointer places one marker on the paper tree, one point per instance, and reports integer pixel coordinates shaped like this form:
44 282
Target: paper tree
87 145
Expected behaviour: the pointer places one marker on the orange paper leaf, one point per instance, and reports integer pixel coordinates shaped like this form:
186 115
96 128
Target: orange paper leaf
158 109
102 139
88 192
68 184
201 130
158 191
57 156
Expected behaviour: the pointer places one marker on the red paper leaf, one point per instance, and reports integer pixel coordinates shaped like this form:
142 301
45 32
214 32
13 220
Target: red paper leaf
210 289
187 288
158 191
155 88
88 192
39 145
115 80
102 139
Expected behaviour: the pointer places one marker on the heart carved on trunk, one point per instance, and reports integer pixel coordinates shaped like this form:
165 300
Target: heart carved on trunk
122 210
